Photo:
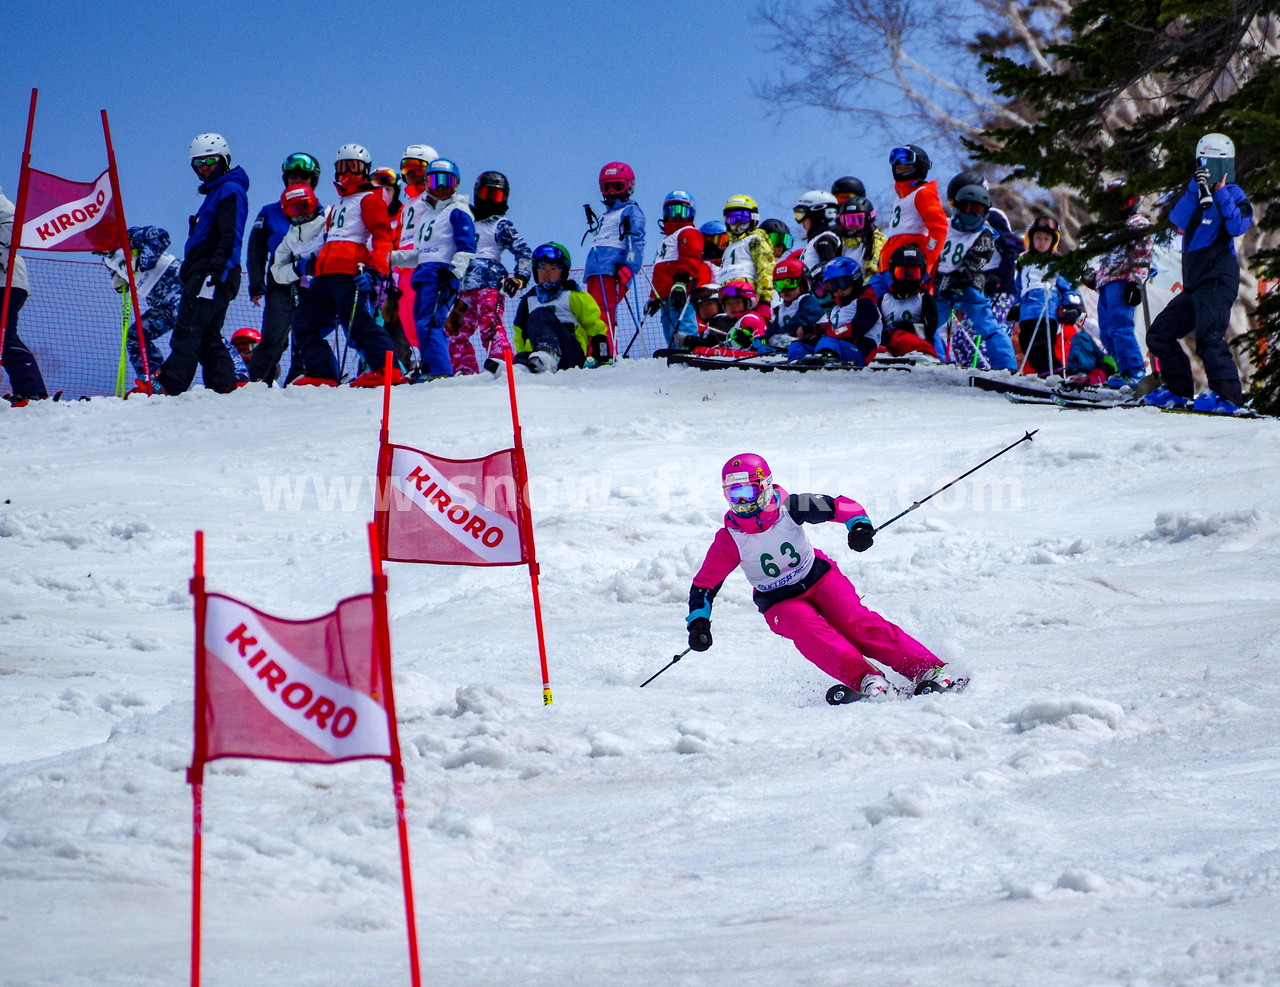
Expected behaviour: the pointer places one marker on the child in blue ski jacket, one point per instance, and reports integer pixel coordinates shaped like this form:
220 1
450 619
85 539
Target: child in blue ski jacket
1040 294
617 251
968 249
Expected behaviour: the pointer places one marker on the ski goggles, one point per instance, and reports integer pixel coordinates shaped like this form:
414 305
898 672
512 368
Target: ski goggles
613 186
386 178
735 217
974 209
745 492
491 193
438 180
843 283
413 166
720 240
799 212
852 220
206 162
908 274
746 496
300 162
677 210
350 166
902 155
782 240
547 255
737 291
786 284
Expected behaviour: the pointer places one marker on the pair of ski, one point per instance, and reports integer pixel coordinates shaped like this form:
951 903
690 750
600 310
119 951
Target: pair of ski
1065 394
1089 404
841 694
766 363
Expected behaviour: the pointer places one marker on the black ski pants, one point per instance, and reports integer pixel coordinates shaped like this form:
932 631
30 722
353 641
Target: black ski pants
277 315
197 338
547 333
18 361
1204 310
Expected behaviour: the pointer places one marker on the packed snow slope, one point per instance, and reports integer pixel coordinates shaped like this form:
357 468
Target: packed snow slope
1098 808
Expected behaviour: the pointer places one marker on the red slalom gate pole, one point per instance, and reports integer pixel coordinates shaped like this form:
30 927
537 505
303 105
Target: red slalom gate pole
382 482
526 528
383 631
195 774
19 214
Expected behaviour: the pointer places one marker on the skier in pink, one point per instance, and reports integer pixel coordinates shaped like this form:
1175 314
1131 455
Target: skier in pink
801 592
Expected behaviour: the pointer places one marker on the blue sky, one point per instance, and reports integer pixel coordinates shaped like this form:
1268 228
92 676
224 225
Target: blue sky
544 92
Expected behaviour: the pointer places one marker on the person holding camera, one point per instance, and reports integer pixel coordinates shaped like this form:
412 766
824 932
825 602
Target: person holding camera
1211 213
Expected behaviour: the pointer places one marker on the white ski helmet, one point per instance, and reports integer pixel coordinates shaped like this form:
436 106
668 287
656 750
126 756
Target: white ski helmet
817 204
1215 146
420 152
205 145
353 152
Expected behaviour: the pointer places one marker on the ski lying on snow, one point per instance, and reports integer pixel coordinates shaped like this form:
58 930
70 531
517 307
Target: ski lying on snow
763 363
1086 405
767 363
1104 397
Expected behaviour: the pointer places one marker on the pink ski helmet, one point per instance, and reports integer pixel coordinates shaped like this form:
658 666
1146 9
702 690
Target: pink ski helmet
617 180
747 484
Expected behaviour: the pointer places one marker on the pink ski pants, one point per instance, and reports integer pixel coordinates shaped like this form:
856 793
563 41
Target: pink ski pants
833 628
483 312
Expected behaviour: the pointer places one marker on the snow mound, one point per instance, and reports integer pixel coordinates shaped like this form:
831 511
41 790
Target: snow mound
1075 713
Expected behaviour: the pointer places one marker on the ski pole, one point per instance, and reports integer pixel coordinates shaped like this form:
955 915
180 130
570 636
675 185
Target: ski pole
122 379
1041 320
918 503
665 667
638 317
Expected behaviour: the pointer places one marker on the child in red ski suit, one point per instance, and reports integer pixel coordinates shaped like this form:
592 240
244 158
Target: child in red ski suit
801 592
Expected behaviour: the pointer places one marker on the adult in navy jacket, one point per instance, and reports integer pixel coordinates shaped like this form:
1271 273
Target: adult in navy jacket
1210 214
210 272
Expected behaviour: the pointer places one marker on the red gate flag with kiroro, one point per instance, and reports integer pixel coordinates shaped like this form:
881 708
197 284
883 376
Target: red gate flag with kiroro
458 511
70 216
54 213
450 511
312 691
291 690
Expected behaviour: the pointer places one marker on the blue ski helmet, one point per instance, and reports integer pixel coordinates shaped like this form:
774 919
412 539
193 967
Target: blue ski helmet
713 227
842 267
443 174
679 205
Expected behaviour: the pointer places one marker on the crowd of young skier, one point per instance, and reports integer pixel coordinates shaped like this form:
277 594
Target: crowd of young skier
407 263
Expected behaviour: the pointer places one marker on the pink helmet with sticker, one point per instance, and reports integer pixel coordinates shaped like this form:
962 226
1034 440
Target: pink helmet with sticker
747 484
617 180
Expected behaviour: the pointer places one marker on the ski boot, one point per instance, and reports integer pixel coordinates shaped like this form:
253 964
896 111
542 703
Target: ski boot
1162 397
873 687
1212 403
542 362
940 678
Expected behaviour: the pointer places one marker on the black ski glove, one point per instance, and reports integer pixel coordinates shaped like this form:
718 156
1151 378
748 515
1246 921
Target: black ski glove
861 535
512 286
700 634
1132 293
653 307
